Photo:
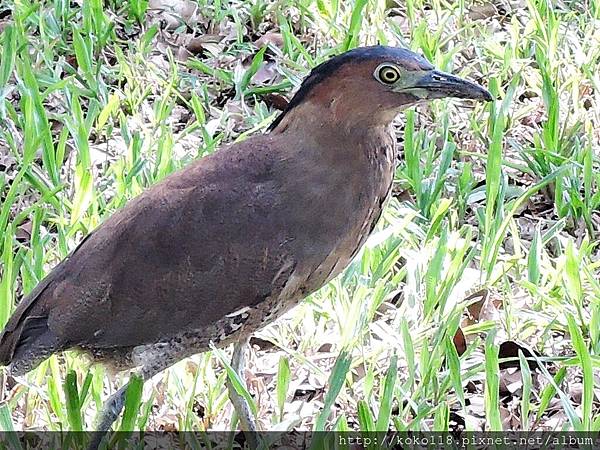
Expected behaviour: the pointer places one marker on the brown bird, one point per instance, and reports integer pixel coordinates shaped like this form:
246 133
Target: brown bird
223 247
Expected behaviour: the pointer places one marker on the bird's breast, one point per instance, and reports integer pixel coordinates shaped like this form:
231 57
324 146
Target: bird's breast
340 213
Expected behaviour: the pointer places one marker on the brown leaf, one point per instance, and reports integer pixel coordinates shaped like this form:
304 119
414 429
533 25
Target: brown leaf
325 348
176 12
482 12
168 427
23 233
475 307
270 37
261 344
265 73
195 45
471 388
199 409
402 195
276 101
576 392
510 349
460 342
456 422
510 421
305 393
510 382
182 54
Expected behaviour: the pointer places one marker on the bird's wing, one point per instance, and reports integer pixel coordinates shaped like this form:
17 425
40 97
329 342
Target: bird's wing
202 244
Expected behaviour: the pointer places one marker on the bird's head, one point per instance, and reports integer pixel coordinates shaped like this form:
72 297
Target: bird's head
369 86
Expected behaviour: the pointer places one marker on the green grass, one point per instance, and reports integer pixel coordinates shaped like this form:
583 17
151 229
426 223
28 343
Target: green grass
96 104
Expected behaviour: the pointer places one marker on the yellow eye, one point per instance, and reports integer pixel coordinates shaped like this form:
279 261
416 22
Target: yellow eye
388 74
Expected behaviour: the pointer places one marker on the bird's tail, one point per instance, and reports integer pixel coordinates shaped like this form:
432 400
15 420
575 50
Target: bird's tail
7 345
26 339
24 348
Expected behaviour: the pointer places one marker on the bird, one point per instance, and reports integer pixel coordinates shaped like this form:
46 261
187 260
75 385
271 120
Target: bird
226 245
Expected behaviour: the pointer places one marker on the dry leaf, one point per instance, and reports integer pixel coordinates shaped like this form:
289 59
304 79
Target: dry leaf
510 349
460 342
576 392
482 12
176 12
475 307
270 38
510 381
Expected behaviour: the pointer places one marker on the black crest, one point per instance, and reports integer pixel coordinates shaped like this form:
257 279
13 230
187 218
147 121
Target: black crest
327 68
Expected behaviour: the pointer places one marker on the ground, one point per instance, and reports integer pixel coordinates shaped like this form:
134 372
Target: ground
487 251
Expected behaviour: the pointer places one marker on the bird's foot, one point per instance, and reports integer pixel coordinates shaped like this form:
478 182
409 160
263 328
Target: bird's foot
111 410
242 409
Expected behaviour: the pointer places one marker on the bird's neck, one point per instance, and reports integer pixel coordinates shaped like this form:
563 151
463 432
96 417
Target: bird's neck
324 120
340 146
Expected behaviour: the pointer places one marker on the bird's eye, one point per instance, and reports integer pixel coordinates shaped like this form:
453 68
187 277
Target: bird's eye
387 74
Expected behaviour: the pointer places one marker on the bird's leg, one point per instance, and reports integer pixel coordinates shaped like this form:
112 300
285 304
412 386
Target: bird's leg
110 411
155 360
247 423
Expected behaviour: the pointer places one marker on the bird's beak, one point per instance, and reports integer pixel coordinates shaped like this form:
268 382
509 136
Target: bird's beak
438 84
